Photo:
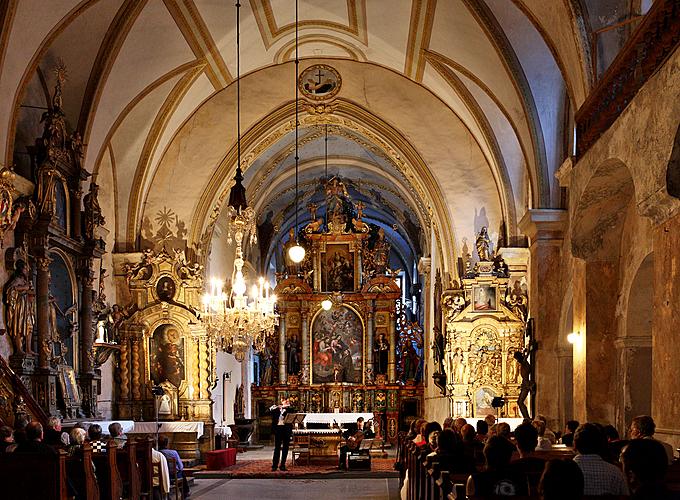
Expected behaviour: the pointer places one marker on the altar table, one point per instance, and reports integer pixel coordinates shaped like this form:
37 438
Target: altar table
183 435
220 459
339 418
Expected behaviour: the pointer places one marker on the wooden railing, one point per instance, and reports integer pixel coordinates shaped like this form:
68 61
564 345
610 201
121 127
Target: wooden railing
649 46
12 387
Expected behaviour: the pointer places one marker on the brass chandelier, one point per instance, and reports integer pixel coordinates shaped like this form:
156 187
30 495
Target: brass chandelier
233 319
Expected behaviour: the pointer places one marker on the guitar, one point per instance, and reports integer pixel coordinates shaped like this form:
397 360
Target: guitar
355 440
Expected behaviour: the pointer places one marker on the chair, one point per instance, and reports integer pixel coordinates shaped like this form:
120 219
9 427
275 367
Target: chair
158 478
300 447
175 481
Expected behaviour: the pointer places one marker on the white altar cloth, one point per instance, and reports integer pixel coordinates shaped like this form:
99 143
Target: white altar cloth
340 418
150 427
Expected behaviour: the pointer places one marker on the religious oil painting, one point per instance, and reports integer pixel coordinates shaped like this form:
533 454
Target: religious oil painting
69 386
484 298
338 273
166 355
337 346
319 82
165 289
482 400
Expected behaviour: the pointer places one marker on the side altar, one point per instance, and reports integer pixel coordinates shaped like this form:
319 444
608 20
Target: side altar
344 343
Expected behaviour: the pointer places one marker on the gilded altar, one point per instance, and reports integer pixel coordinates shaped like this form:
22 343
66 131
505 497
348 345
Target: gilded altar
162 341
484 322
357 354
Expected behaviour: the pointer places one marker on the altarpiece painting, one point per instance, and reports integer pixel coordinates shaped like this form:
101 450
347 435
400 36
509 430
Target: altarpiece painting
337 346
166 355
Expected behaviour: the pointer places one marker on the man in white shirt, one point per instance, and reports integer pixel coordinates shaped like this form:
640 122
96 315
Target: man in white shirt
160 490
599 477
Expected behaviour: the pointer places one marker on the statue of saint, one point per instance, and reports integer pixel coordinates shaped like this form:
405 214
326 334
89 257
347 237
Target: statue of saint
293 355
93 212
381 352
48 176
482 245
458 367
19 299
267 364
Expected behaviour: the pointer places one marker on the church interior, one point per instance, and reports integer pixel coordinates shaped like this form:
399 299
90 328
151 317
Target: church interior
319 228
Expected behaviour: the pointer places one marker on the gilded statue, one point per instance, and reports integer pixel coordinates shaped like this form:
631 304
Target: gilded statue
48 176
19 299
93 212
517 301
458 367
483 242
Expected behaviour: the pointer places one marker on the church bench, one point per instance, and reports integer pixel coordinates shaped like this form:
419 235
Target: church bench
108 477
129 472
27 476
145 467
80 473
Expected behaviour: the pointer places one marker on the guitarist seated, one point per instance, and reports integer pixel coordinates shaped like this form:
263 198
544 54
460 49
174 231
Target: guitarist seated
353 437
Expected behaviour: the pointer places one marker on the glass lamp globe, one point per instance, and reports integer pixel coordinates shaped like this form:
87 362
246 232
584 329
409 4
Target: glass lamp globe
326 305
296 253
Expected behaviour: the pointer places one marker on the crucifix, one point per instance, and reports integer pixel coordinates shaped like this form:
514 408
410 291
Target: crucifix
319 74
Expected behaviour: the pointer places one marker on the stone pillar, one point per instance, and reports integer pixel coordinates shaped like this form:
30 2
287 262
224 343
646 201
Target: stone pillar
665 328
283 372
42 298
595 289
633 377
305 347
544 228
392 358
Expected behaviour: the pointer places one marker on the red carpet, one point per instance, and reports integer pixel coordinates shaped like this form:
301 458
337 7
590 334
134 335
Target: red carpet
257 469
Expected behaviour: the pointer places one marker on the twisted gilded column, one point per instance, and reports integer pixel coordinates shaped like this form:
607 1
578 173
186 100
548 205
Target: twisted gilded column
86 322
392 358
136 369
42 313
305 347
204 368
369 339
124 369
283 372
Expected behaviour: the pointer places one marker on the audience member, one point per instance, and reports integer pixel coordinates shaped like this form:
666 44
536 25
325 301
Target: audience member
34 441
116 433
561 480
54 436
528 464
94 433
430 432
614 443
173 468
448 423
490 419
472 447
548 433
6 438
599 476
482 430
450 454
568 438
458 424
497 478
20 425
644 466
77 438
160 487
503 430
543 442
643 427
419 440
413 430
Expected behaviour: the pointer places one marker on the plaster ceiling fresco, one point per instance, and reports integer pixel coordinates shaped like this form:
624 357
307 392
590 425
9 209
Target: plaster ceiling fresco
445 115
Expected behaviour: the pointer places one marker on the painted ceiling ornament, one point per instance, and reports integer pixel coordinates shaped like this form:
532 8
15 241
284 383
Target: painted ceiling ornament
319 82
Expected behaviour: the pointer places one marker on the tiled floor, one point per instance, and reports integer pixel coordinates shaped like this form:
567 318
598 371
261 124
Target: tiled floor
298 489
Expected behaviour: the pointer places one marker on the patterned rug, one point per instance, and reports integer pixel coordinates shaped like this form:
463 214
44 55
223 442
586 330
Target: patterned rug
258 469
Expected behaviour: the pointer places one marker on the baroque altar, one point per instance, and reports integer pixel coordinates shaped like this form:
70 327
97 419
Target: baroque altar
357 354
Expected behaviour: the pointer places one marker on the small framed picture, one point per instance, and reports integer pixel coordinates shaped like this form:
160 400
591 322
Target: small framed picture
485 298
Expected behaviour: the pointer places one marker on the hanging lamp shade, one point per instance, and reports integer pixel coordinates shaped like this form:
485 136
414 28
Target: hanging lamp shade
296 253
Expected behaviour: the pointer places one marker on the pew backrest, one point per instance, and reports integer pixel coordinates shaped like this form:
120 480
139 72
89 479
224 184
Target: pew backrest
129 472
80 473
145 467
30 475
108 477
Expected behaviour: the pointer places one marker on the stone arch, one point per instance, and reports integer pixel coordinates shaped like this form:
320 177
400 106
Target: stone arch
635 346
673 169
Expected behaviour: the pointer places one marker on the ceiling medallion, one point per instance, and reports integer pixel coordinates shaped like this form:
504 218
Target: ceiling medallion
319 82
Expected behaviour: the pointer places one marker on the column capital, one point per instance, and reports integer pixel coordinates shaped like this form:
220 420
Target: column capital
425 265
544 224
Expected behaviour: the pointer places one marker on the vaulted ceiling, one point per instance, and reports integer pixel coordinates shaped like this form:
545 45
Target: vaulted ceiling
456 113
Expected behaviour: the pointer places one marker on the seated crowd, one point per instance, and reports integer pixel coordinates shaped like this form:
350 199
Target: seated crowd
493 461
30 437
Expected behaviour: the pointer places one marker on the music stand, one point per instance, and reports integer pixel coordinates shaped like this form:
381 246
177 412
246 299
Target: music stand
294 418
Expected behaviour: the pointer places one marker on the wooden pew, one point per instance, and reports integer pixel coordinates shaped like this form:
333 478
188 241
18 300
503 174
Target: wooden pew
108 477
27 476
145 467
129 472
80 473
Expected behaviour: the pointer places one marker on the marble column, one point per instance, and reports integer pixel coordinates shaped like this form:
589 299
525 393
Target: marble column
665 328
595 291
544 228
392 358
305 347
42 313
283 372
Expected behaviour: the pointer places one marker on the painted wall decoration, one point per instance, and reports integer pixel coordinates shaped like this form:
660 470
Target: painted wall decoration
166 355
339 269
319 82
337 346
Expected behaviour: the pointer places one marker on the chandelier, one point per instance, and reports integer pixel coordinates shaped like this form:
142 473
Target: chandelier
234 320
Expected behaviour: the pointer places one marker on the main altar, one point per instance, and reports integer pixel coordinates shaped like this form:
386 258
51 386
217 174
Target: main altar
343 343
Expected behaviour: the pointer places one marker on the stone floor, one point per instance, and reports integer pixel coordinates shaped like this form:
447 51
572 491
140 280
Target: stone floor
298 489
